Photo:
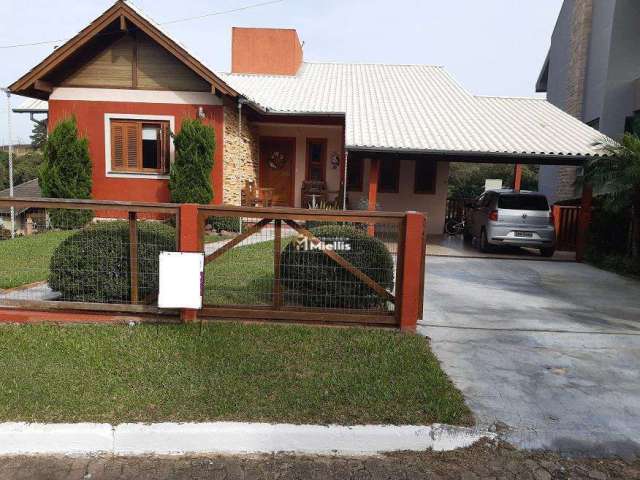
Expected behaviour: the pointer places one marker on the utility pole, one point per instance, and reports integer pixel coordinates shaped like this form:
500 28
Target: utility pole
13 211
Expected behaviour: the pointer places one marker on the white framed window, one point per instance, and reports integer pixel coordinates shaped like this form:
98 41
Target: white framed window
138 146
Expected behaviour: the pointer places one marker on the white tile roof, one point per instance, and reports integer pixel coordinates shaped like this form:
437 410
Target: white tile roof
419 108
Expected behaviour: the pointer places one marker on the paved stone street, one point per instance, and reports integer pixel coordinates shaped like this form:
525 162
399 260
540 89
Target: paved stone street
483 461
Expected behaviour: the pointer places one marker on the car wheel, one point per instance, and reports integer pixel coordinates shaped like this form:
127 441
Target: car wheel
547 251
484 242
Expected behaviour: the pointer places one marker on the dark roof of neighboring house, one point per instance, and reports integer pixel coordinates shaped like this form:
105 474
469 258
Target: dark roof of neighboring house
30 189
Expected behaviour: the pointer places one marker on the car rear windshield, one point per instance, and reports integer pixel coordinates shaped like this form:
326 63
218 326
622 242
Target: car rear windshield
523 202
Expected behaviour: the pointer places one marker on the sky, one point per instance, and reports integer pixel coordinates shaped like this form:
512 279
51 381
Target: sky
492 47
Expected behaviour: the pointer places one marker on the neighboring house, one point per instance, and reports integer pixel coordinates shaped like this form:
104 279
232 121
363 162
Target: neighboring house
383 133
18 150
593 73
38 217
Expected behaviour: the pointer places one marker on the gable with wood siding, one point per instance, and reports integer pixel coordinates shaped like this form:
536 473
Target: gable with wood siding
134 61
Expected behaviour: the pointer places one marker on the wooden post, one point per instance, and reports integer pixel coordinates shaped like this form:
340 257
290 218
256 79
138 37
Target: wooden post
189 232
412 268
374 174
584 220
133 256
517 177
557 225
557 217
277 252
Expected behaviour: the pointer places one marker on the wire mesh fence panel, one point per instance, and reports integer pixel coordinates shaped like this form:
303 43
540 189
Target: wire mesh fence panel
301 263
84 255
243 274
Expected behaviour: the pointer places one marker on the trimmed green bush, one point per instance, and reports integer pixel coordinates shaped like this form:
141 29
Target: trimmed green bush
66 173
92 265
312 279
227 224
190 179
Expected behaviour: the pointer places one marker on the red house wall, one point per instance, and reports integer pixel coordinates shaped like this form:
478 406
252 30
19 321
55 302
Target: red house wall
90 119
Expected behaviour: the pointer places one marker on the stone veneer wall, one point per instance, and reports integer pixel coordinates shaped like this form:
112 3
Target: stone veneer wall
240 157
581 22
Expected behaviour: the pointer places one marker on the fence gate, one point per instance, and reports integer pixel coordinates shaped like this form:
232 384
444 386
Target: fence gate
293 264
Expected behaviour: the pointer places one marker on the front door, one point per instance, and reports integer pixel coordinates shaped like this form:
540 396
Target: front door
277 167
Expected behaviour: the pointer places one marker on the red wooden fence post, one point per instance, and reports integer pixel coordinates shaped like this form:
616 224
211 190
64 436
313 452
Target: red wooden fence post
374 173
557 225
517 177
190 240
412 281
584 220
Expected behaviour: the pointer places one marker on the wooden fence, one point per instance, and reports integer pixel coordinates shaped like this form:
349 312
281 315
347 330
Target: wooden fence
246 269
457 208
566 219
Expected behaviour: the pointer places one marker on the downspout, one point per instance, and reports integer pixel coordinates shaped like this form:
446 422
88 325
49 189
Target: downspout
13 211
241 101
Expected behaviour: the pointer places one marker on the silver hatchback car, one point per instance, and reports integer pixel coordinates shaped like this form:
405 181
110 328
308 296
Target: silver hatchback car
507 217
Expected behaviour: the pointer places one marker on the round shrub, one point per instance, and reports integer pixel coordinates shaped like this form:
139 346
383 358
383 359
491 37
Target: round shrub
227 224
92 265
310 278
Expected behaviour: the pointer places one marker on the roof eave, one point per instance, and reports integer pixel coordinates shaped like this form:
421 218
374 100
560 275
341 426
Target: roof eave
482 157
543 77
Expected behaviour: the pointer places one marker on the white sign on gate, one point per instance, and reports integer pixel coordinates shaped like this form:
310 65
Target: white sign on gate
181 280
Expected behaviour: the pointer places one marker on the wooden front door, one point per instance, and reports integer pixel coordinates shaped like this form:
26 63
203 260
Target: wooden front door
277 167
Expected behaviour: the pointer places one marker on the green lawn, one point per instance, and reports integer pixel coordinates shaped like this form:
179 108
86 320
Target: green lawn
25 260
222 371
243 275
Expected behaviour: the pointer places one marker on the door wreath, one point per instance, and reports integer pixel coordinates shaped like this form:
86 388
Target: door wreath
277 160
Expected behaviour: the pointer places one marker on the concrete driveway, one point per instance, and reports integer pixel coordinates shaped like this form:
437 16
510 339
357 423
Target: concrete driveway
550 349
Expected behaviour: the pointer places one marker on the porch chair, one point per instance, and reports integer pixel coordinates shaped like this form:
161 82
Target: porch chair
252 196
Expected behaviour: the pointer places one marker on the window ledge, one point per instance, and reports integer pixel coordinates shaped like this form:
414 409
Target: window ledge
138 175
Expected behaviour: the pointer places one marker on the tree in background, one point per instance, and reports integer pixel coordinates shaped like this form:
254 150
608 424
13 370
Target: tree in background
25 168
66 172
617 174
39 134
190 178
466 180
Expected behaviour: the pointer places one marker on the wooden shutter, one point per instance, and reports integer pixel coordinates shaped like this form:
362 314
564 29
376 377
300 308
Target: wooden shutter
164 147
126 146
117 146
134 145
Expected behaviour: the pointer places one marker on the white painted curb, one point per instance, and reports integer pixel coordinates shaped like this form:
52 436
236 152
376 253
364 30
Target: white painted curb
30 438
229 438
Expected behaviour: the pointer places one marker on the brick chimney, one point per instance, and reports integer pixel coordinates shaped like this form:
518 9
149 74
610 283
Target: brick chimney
275 51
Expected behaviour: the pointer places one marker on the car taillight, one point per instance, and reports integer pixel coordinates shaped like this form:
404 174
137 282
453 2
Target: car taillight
493 215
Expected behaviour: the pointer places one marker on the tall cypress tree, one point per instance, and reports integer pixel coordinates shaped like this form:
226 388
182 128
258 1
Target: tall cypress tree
190 179
66 172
